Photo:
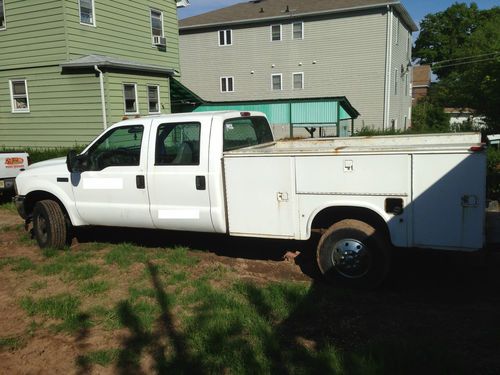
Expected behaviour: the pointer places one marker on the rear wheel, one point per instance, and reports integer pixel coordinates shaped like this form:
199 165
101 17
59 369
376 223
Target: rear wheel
354 253
49 225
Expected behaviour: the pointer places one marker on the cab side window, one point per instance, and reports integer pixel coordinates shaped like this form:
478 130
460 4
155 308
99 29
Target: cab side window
178 144
119 147
245 132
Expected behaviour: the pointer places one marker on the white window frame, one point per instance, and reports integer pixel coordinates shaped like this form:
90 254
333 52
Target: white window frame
281 32
12 101
4 17
227 81
293 80
157 97
93 24
302 30
136 99
281 81
225 31
151 10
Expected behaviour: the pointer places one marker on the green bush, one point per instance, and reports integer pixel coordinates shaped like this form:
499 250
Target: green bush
41 154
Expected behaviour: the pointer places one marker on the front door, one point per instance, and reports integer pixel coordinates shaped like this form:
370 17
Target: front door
112 190
178 176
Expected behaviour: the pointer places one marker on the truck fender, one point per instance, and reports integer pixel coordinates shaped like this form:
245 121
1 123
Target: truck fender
346 204
42 188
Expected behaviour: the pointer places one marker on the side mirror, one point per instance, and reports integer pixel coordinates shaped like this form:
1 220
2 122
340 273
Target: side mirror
71 160
75 162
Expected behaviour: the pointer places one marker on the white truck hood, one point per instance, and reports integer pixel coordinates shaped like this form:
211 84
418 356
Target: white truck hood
48 163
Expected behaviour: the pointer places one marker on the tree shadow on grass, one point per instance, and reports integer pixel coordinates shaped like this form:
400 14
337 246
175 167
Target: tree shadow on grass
165 343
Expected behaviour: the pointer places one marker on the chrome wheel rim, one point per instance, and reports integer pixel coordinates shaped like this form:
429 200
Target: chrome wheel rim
351 258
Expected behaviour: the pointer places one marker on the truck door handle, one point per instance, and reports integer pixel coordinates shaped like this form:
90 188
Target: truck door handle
140 182
201 183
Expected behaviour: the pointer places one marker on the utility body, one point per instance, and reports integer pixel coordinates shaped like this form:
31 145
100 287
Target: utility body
11 164
222 172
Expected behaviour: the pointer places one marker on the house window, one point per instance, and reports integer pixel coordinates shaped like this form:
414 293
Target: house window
395 81
130 98
2 16
276 82
225 38
298 81
298 30
226 84
19 95
154 99
87 12
398 26
276 33
156 25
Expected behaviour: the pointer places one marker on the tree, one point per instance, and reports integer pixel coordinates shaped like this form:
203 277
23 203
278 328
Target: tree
462 44
428 117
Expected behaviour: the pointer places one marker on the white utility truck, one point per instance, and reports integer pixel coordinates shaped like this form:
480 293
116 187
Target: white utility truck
11 164
222 172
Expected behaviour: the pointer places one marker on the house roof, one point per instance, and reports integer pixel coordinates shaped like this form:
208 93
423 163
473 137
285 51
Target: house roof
267 10
346 104
114 62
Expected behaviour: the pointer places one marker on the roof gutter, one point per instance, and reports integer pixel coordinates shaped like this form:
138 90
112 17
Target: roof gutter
103 98
407 18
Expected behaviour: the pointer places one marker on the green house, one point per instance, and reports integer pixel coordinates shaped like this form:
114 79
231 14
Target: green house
71 68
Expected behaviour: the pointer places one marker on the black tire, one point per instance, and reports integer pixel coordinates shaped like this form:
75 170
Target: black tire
50 228
354 253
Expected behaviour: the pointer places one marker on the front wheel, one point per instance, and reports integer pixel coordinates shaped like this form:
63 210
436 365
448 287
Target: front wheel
354 253
49 225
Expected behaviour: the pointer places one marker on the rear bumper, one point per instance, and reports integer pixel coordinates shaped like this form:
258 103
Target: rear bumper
19 203
7 184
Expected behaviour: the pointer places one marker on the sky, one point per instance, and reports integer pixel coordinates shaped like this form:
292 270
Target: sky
417 8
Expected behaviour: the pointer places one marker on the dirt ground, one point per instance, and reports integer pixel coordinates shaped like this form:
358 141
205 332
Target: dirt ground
448 300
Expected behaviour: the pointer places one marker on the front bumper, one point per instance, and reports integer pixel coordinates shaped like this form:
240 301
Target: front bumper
19 203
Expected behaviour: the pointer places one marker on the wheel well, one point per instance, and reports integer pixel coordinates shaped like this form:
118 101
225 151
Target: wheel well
331 215
36 196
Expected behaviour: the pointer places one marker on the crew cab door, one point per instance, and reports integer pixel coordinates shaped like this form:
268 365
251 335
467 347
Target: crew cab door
178 175
112 189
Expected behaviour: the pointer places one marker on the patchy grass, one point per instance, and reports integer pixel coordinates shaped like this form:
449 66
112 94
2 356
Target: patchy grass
100 357
129 307
61 307
124 255
38 285
93 288
17 264
12 343
81 272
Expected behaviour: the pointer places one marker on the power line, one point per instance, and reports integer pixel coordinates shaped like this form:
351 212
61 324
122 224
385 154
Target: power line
465 58
465 63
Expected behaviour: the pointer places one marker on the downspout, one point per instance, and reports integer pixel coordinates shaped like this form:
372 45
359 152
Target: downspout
388 68
103 99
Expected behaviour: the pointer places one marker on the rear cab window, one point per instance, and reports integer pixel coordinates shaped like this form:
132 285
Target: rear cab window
243 132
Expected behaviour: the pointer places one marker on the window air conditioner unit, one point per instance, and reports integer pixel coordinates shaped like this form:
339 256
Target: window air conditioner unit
159 41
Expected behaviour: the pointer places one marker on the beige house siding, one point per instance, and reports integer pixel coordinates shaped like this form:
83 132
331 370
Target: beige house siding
340 55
